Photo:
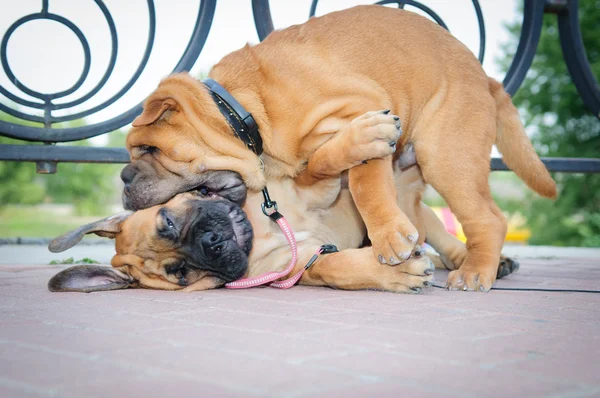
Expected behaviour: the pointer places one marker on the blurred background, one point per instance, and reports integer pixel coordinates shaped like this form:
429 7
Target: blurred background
48 57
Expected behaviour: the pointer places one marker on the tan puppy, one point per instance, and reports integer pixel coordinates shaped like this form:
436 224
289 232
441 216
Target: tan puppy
305 84
199 241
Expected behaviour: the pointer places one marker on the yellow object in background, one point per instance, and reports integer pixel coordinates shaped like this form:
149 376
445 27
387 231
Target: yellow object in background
516 232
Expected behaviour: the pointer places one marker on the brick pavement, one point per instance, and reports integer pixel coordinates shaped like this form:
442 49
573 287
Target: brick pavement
305 342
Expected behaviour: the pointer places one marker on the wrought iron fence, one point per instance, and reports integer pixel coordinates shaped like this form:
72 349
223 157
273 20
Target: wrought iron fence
48 155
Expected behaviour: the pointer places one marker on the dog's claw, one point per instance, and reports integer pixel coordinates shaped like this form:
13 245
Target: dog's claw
404 256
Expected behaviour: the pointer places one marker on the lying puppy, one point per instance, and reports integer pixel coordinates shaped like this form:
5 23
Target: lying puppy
194 243
201 241
304 85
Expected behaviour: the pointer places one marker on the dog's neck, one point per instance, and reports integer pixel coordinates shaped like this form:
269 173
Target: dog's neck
241 75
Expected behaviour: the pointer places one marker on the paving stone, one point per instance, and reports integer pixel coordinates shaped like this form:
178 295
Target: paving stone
303 342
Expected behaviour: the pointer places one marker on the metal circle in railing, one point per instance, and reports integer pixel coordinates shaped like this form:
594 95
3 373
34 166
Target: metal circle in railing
23 87
114 41
202 25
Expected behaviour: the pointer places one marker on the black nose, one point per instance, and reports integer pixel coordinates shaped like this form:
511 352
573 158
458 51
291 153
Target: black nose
127 174
212 242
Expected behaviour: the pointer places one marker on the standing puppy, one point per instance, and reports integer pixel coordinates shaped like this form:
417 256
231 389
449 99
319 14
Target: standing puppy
305 84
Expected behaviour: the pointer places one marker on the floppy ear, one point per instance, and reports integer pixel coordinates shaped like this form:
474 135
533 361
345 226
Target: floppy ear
107 227
90 278
153 110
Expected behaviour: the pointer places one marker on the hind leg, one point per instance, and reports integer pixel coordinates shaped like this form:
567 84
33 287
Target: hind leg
460 173
452 251
485 229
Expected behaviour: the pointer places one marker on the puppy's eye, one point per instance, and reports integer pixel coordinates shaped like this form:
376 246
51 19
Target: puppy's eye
203 192
178 269
147 149
166 220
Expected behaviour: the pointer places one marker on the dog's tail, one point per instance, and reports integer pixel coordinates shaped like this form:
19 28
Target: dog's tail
517 151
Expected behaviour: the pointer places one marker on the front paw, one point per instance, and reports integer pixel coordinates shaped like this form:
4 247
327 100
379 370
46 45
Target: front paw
373 135
394 241
412 276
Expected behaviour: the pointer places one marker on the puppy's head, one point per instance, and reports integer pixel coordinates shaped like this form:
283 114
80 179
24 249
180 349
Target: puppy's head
188 241
178 143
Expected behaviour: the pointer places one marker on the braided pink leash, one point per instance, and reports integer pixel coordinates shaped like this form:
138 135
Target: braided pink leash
271 276
286 284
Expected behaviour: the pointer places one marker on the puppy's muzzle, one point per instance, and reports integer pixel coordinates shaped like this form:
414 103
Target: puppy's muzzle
127 175
147 185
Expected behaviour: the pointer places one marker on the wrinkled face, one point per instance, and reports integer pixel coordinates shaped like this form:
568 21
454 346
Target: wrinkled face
182 142
152 179
184 241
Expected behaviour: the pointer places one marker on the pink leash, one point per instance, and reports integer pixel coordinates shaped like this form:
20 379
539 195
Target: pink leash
286 284
271 276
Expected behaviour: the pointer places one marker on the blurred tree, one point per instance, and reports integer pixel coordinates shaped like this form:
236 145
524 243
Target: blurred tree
562 126
90 188
20 183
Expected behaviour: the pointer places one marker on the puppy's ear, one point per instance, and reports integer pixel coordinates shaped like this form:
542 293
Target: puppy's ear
107 227
153 110
90 278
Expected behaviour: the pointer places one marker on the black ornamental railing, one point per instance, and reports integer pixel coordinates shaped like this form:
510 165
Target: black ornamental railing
48 155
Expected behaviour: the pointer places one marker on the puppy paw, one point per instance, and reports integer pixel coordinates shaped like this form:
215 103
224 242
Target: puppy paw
506 267
412 276
373 135
394 241
472 278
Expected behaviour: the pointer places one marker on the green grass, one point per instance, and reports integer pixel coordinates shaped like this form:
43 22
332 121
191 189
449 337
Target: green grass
33 222
70 260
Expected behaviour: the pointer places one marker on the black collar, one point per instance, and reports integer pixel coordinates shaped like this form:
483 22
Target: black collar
245 128
241 121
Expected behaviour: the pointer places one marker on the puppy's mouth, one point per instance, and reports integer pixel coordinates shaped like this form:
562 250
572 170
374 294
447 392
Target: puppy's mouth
242 230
